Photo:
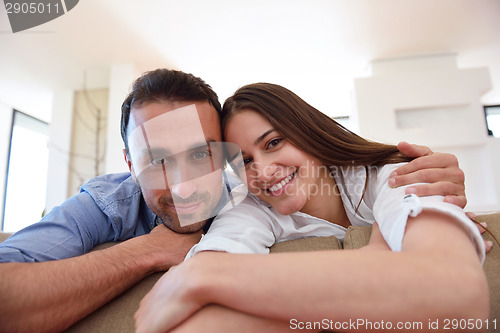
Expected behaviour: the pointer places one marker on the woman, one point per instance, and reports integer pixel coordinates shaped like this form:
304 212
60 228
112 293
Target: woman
309 176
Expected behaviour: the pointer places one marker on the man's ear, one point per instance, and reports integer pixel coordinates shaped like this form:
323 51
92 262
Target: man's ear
129 164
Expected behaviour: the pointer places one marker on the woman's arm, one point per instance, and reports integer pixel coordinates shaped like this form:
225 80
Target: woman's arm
437 276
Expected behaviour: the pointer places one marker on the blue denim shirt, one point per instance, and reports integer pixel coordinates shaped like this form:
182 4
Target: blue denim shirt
108 208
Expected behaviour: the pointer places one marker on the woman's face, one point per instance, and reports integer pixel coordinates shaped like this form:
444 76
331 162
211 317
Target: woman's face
277 172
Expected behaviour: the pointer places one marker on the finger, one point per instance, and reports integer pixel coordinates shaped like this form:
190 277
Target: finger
142 313
150 318
447 189
439 188
455 176
436 160
141 322
482 227
457 200
472 216
488 245
412 150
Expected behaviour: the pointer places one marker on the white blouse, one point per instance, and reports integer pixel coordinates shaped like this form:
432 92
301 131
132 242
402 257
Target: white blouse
253 226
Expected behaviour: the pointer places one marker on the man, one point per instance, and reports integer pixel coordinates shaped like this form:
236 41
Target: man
68 282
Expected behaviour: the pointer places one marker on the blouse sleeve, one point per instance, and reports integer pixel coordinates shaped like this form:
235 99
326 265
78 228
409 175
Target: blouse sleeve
392 207
246 228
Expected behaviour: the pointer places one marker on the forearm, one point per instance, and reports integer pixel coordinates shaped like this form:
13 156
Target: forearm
332 286
51 296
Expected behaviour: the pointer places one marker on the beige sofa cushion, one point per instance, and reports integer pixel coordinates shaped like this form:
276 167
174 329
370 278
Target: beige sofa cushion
118 315
492 266
356 237
307 244
4 236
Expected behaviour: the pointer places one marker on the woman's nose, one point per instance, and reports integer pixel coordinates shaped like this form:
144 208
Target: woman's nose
264 170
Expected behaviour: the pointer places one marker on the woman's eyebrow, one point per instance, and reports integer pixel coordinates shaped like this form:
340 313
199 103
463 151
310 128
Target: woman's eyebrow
263 136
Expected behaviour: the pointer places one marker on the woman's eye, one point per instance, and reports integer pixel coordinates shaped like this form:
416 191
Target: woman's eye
273 143
247 161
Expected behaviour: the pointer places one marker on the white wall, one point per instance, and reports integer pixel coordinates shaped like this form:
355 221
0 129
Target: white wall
60 187
428 100
121 78
59 149
493 145
88 133
5 131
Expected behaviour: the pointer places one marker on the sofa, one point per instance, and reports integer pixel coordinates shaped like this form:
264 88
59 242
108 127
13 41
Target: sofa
117 315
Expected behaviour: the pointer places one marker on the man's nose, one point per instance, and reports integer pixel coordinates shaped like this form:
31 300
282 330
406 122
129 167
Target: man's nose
183 190
180 180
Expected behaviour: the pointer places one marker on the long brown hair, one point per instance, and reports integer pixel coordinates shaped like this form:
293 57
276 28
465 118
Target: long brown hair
309 129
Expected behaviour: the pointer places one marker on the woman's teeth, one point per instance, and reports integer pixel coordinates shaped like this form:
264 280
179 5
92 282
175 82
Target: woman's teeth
278 186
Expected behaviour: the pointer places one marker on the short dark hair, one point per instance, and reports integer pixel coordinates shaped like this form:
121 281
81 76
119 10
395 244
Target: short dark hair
166 85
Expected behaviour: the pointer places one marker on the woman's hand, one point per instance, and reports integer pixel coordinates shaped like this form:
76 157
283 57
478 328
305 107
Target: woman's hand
439 170
482 229
173 299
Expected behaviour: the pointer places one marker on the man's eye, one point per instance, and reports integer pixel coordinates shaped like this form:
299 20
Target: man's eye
200 155
159 161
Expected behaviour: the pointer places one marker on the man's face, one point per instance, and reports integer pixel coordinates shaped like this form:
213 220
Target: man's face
174 158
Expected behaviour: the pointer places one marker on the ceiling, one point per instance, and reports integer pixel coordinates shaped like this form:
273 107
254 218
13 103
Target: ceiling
314 47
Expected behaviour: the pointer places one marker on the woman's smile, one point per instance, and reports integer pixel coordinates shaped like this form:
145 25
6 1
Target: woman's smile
280 187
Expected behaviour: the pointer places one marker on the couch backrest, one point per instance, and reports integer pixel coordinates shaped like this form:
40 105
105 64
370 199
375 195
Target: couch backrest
4 236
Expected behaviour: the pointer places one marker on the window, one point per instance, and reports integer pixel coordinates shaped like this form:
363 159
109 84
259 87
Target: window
492 114
343 120
26 172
